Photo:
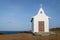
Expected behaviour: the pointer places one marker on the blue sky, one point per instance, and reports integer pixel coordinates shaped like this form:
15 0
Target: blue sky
15 15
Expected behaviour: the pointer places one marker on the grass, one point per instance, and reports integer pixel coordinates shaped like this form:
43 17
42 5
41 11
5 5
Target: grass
30 36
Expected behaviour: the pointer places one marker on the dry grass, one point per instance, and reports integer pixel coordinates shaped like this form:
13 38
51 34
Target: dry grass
29 36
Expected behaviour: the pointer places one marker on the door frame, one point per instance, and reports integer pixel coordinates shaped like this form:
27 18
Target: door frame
41 26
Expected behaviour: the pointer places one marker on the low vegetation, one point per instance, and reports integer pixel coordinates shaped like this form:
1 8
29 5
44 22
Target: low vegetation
29 36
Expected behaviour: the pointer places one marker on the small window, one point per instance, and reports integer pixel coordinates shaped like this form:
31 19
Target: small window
41 12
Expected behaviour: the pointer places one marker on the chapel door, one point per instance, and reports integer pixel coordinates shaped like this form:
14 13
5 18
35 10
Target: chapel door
41 26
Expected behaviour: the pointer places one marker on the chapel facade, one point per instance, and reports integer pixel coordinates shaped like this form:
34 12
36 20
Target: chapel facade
40 22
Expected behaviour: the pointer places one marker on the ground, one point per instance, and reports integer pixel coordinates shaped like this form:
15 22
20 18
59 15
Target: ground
29 36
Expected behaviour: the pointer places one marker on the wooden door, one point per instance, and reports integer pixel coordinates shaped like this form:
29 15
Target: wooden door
41 26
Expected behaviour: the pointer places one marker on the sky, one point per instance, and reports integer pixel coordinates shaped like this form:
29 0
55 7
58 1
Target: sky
15 15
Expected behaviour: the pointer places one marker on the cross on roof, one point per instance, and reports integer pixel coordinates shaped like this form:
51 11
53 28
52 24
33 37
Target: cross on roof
41 5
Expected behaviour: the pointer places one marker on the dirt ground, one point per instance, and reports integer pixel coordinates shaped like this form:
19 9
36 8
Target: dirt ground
29 36
25 36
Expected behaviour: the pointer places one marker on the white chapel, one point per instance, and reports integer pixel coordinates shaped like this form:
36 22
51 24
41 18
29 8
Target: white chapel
40 22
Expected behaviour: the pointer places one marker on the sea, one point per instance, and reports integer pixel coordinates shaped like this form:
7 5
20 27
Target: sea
10 32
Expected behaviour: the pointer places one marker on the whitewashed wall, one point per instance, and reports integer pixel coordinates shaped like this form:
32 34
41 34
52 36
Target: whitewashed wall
41 17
